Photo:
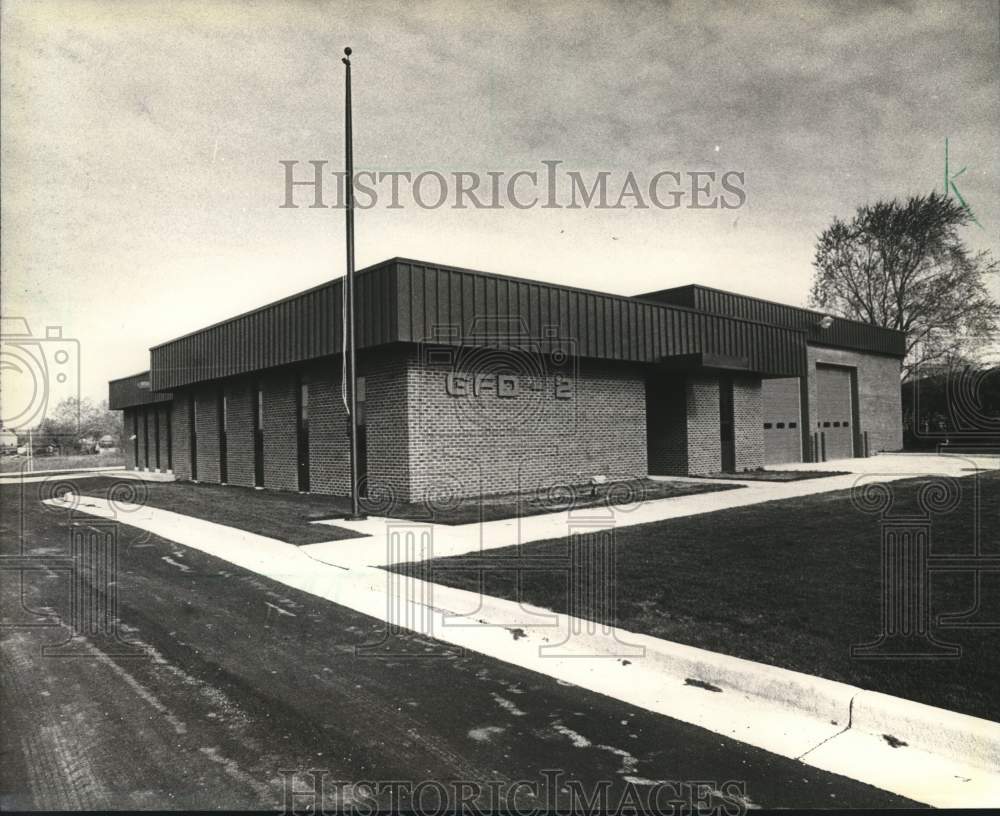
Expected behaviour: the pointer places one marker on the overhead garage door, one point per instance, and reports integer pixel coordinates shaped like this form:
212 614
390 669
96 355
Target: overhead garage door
782 435
833 410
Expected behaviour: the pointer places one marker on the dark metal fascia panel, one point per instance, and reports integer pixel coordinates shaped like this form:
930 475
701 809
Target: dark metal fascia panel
281 333
849 334
125 392
600 326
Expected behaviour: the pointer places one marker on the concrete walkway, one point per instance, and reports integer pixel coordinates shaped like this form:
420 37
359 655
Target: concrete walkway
118 472
945 759
378 547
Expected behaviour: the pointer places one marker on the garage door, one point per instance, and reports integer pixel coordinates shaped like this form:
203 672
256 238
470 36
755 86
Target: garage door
833 410
782 435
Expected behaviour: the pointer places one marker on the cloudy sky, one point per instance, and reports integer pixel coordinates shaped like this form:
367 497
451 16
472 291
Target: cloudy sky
142 141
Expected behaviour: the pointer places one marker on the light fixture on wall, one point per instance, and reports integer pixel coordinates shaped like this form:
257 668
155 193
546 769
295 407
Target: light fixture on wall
144 385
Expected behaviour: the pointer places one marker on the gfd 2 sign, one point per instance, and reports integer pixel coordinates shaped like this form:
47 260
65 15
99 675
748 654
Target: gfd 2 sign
505 386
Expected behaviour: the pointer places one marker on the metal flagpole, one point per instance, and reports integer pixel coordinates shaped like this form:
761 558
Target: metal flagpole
351 375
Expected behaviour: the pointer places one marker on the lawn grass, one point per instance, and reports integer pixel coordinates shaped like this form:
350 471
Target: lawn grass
792 583
283 516
14 464
288 516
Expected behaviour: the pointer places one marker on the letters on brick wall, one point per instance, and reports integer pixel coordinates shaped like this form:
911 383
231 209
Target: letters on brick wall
505 386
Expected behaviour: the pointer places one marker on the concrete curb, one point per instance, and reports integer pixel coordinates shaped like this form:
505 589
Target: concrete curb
927 728
827 700
937 731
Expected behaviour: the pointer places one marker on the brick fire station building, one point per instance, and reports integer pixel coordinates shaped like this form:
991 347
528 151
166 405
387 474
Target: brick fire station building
473 383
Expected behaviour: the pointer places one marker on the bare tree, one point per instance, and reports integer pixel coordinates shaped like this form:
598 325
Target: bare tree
903 265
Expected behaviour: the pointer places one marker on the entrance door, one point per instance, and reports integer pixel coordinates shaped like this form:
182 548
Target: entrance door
833 410
727 423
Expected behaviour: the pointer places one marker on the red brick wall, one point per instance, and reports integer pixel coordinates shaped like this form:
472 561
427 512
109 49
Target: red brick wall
239 436
422 439
329 455
387 413
703 438
280 434
747 426
208 432
182 434
386 409
489 444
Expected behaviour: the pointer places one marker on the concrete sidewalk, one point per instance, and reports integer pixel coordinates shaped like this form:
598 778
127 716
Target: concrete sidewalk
118 472
448 540
940 758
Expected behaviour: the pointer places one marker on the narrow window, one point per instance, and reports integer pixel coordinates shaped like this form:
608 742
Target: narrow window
302 436
170 439
362 399
193 421
846 423
156 435
258 436
135 437
781 424
767 426
362 420
793 424
223 420
826 424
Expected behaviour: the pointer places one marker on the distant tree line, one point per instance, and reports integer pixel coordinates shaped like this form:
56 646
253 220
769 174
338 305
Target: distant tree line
78 426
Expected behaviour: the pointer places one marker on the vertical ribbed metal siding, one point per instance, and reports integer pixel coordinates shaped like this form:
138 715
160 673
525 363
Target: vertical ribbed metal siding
432 299
843 333
849 334
406 301
302 327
